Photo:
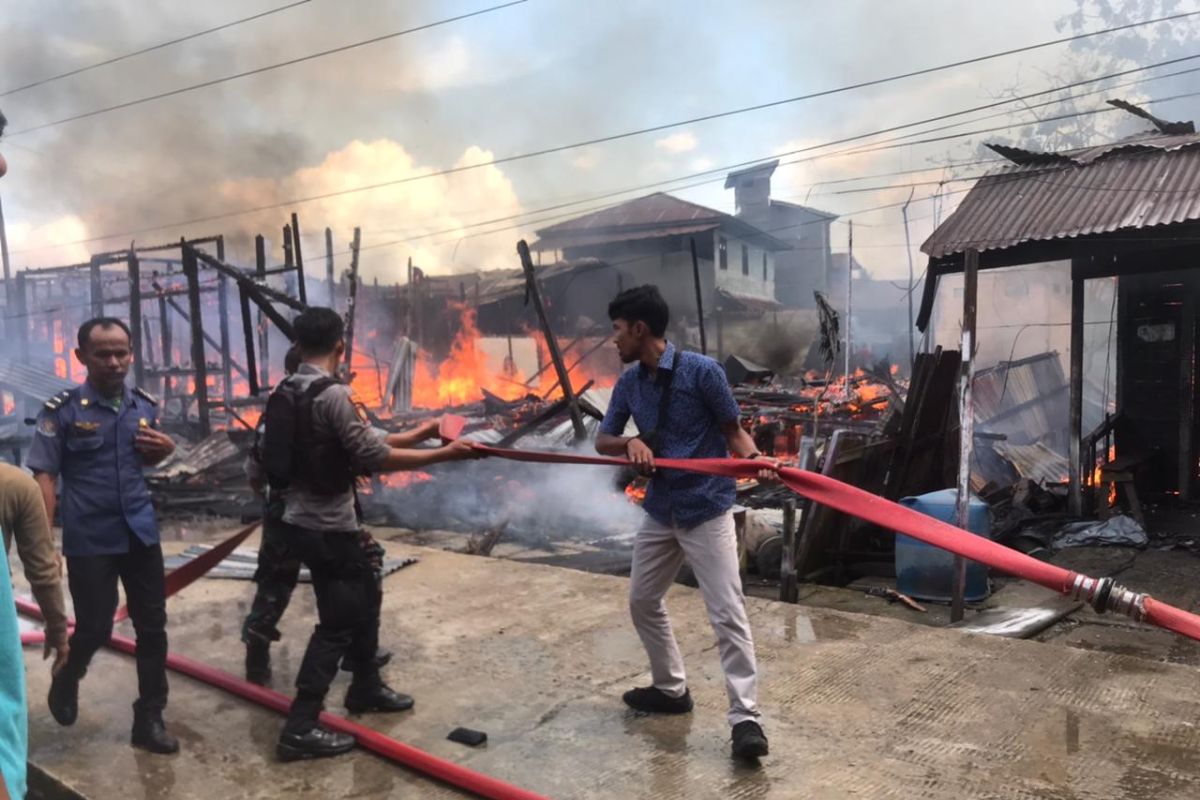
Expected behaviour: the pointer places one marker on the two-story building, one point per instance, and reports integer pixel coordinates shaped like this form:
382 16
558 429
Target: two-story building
806 266
649 240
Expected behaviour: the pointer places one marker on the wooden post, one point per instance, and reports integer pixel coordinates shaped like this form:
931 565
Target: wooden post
264 339
912 347
329 268
97 288
248 333
849 302
164 330
534 294
699 298
223 313
191 270
966 423
352 299
8 287
720 334
301 286
789 588
135 318
1187 386
1075 401
22 317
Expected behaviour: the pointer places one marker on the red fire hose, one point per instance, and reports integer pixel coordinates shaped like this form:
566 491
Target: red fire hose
372 740
1103 593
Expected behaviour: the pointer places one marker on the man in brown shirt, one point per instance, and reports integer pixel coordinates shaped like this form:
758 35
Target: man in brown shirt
23 518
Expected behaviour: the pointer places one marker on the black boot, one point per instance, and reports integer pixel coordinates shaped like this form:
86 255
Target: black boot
375 696
149 733
64 697
651 700
258 661
315 743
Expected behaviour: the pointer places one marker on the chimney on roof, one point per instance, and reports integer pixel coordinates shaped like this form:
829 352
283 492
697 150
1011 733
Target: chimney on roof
752 190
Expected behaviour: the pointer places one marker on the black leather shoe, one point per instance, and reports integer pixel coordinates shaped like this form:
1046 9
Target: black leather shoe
382 657
316 743
149 733
258 662
64 698
382 698
749 741
654 701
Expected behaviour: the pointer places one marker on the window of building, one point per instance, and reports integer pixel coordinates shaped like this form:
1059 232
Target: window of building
722 252
766 276
745 260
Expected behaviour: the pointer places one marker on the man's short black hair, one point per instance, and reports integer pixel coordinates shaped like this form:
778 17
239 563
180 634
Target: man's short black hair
642 304
85 330
291 359
318 330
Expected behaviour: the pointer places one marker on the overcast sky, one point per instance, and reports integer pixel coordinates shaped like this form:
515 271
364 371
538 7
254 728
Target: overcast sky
536 75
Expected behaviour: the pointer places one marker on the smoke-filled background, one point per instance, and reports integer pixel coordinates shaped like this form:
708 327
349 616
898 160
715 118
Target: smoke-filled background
524 78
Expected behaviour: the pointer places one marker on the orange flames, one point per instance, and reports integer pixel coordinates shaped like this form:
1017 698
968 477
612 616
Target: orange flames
636 491
459 379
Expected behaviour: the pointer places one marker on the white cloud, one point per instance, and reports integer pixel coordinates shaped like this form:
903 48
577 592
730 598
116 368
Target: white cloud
702 164
443 68
676 143
43 241
437 209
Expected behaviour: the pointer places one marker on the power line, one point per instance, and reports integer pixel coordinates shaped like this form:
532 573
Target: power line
259 70
887 144
641 131
150 49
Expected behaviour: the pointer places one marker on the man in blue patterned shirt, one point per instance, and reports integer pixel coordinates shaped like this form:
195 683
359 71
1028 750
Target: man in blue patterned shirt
683 408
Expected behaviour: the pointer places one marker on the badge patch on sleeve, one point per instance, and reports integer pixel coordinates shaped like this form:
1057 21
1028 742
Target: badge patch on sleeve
47 426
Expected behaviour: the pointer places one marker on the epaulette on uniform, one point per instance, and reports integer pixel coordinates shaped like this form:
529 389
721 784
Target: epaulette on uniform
58 401
149 398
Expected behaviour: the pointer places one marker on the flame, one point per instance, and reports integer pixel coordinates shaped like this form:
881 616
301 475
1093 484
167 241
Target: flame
636 492
403 480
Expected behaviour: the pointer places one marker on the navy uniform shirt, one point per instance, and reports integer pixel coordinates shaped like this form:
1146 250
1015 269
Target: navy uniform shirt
700 402
90 444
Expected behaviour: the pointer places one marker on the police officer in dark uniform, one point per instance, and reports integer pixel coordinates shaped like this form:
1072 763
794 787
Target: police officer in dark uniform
97 438
317 449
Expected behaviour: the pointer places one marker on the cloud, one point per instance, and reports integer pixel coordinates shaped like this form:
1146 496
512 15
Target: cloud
702 164
67 228
586 160
432 216
676 143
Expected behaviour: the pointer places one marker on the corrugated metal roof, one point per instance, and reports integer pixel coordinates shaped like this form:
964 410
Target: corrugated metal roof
1138 183
645 217
749 302
623 235
36 383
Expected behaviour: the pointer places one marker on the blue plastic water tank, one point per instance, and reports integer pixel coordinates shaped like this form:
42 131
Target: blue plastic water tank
927 572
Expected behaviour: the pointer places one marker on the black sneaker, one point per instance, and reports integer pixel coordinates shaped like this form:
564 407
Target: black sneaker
749 741
149 733
316 743
653 701
381 698
64 698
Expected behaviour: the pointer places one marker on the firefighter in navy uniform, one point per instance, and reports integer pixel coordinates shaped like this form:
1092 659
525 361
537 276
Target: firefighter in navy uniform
315 447
97 438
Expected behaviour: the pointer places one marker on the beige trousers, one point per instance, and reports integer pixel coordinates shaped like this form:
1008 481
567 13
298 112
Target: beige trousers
711 550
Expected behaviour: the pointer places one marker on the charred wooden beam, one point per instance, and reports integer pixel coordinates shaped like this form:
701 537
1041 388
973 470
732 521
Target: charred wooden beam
301 287
329 267
699 298
533 293
248 333
223 313
164 329
97 287
260 294
135 319
264 340
352 300
186 316
191 269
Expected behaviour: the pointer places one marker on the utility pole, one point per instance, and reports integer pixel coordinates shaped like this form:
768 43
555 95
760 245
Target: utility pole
912 348
966 423
699 299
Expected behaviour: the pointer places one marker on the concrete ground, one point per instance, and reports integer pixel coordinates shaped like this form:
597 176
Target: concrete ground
537 656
